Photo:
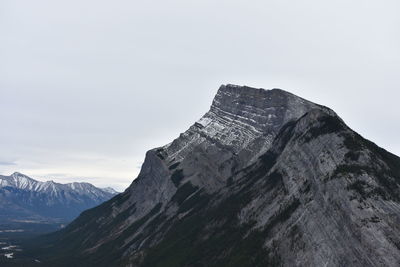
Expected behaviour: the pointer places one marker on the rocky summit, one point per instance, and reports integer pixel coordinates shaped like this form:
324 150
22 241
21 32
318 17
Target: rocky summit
264 178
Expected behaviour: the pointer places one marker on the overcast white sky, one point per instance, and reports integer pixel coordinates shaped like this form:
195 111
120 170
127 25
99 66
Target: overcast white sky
88 86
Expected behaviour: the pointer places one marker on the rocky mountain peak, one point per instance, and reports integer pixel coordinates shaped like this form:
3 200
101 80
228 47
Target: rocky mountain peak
250 95
242 119
18 175
255 100
240 126
264 178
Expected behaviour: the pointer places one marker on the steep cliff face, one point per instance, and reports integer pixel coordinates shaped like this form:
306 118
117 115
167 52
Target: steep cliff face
263 178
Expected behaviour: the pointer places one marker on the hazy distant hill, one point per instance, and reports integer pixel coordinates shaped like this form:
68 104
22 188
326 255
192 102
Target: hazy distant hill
24 199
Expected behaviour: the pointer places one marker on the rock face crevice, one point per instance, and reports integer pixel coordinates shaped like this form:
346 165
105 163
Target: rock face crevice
265 178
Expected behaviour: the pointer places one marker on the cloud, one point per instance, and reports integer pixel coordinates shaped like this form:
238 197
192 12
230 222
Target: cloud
88 95
7 163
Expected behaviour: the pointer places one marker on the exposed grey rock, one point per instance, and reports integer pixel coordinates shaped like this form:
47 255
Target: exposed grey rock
265 178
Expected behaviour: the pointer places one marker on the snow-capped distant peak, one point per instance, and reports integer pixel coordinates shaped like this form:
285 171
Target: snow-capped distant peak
21 181
48 200
109 190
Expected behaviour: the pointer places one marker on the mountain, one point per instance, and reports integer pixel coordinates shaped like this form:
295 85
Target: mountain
23 198
109 190
264 178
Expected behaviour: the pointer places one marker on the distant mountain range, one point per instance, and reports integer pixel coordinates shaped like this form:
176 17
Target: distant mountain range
25 199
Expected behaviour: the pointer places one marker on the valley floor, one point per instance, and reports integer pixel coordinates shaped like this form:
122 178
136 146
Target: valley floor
13 235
